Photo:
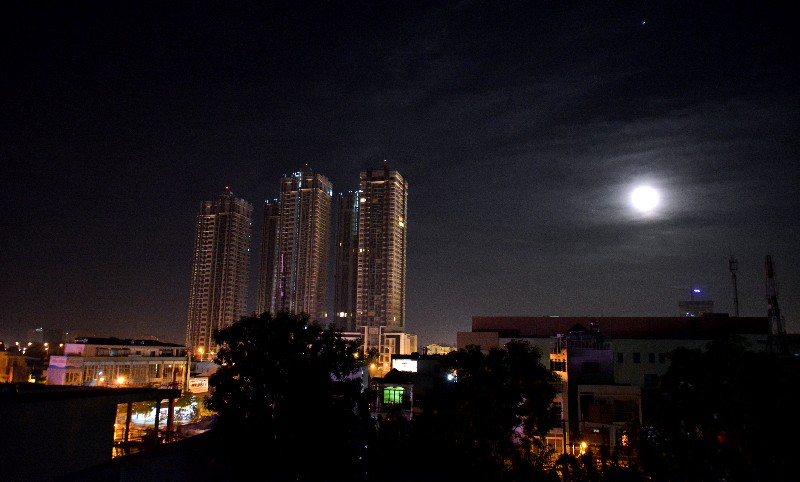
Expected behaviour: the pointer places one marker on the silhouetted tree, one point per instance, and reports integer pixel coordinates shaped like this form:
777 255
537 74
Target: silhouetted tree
722 415
481 424
289 400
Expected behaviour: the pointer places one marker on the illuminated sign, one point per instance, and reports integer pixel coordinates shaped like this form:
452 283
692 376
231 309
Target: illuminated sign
198 385
405 365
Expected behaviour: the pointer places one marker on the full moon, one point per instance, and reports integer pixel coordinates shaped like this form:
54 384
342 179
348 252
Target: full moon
644 198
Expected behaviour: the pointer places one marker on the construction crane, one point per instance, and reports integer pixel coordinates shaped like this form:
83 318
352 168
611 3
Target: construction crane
733 266
777 334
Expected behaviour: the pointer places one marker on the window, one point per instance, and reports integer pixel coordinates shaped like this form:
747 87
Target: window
620 358
558 411
637 358
651 357
662 358
393 394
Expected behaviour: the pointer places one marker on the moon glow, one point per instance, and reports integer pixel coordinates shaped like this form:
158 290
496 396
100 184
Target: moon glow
644 199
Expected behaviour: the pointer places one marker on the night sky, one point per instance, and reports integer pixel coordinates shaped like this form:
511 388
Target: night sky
521 127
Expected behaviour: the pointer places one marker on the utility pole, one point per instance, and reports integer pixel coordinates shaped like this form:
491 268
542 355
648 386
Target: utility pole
777 333
732 266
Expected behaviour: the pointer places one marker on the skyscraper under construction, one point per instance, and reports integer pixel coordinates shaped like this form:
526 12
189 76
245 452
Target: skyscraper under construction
218 296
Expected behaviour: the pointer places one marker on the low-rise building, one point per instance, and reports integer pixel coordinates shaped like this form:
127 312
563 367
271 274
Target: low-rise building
119 362
13 367
437 349
606 363
405 387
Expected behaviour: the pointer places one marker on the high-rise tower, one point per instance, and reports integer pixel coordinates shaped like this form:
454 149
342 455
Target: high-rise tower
266 275
218 295
346 254
303 245
381 277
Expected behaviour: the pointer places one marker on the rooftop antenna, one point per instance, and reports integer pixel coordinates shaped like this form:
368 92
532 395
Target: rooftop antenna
733 266
777 333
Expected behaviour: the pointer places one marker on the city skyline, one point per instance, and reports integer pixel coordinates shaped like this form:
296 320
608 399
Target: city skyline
522 130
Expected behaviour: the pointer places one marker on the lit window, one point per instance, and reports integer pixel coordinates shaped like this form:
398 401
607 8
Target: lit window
393 394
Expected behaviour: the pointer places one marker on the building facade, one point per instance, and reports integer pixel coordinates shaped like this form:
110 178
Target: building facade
381 268
266 275
114 362
346 256
13 367
437 349
220 271
608 364
303 245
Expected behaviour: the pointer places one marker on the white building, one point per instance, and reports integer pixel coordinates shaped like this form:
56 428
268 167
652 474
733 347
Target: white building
119 363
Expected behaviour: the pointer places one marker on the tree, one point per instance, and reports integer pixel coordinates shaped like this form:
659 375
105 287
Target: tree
484 423
721 414
290 394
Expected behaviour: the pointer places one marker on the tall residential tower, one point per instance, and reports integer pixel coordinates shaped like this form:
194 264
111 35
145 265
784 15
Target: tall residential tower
381 276
218 296
266 277
303 245
346 253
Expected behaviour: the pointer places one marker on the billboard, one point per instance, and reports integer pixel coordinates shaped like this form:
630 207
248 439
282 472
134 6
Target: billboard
198 385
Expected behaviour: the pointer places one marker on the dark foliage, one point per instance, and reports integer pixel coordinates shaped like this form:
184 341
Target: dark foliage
721 416
478 426
291 406
289 399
